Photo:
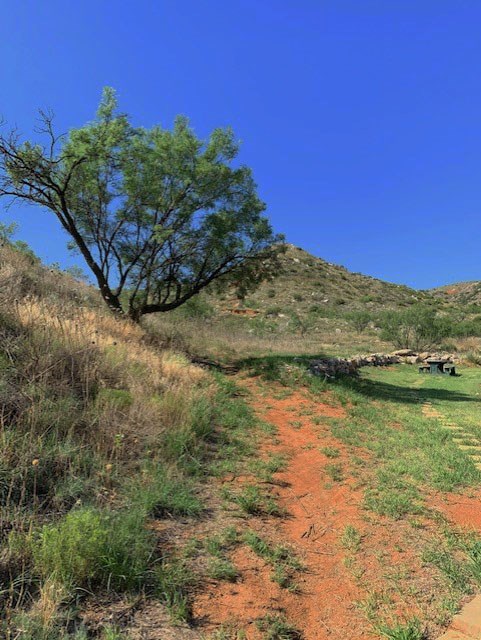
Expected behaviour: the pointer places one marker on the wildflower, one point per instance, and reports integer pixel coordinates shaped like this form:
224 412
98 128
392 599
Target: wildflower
35 462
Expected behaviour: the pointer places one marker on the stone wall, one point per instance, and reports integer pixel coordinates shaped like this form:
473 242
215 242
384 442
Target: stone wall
332 367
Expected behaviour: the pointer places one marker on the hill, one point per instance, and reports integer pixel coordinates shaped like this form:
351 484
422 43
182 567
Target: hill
309 284
460 293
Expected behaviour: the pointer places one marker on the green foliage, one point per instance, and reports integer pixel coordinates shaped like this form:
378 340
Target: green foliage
222 569
197 307
416 328
276 627
91 547
359 319
410 631
351 539
157 214
174 580
253 501
283 561
158 493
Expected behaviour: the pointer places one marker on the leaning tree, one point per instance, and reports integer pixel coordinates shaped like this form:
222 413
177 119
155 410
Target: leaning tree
157 214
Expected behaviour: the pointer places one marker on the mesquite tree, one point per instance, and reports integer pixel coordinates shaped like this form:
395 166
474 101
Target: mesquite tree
157 214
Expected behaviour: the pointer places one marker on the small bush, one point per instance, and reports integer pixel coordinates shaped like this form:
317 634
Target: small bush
88 547
409 631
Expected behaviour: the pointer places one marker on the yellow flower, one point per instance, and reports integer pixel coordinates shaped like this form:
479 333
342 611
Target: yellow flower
35 462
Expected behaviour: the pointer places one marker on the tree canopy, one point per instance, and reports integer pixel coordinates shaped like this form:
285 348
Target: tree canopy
158 214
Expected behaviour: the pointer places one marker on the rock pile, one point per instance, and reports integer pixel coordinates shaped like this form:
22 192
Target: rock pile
333 367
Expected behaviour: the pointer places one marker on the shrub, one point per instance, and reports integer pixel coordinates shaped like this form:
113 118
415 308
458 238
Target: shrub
89 547
359 319
70 551
416 328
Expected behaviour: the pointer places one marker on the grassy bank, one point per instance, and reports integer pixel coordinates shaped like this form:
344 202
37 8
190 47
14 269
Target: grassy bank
102 432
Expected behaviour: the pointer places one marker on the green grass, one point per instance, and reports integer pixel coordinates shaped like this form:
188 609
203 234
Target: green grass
254 501
334 471
89 547
330 452
160 494
351 539
276 627
410 631
222 569
409 450
284 563
174 581
265 469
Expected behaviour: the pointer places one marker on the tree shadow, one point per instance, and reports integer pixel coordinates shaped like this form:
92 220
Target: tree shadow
270 367
378 390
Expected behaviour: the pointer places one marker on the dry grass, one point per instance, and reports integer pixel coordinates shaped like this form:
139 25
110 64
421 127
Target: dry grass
89 406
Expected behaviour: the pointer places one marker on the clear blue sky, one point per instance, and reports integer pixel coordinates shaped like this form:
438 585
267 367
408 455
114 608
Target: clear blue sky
360 118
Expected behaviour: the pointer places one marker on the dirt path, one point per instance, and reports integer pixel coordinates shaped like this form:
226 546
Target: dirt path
318 510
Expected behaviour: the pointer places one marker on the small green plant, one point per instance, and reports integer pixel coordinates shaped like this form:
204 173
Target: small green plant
330 452
264 469
282 560
217 544
410 631
351 539
334 471
253 501
222 569
456 572
174 581
89 546
276 627
159 494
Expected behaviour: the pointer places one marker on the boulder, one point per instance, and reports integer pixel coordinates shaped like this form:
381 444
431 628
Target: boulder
404 352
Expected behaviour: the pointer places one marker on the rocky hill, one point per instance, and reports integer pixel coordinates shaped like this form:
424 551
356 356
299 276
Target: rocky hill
307 284
460 293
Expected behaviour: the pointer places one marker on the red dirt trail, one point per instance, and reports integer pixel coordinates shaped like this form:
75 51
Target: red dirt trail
318 511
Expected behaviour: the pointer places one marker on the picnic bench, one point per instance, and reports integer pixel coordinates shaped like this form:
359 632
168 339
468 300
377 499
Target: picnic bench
434 365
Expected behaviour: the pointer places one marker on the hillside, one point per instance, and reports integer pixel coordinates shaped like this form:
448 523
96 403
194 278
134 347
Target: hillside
308 284
106 441
460 293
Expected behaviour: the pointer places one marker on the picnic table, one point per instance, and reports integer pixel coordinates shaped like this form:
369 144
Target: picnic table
435 365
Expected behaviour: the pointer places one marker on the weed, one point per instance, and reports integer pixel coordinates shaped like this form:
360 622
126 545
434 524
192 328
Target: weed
276 627
330 452
221 569
410 631
89 546
264 469
253 501
351 539
174 581
160 493
454 571
334 471
281 558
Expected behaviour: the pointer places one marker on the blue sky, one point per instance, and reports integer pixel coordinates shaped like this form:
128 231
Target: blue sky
361 119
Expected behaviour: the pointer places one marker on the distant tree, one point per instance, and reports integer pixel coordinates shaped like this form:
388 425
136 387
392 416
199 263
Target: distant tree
157 214
359 319
416 328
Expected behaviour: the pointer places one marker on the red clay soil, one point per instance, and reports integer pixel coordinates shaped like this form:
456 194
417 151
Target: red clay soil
461 510
318 512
